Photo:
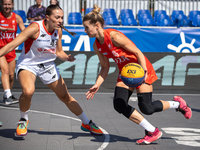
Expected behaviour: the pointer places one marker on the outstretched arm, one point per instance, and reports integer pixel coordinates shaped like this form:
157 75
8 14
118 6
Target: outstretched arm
30 32
104 61
59 51
6 29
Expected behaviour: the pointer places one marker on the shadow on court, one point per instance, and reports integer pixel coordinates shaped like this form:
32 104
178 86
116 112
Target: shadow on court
10 133
54 126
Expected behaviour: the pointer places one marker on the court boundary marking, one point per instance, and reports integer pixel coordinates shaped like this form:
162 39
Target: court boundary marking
106 134
49 92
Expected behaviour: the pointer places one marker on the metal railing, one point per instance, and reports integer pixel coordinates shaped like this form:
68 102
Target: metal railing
81 5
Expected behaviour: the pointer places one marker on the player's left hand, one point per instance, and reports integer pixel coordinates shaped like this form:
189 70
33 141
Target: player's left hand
71 58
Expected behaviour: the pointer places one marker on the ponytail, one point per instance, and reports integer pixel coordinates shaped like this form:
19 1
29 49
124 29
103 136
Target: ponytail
72 33
49 10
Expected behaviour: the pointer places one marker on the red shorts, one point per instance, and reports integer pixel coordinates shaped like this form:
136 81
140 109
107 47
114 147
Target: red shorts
10 56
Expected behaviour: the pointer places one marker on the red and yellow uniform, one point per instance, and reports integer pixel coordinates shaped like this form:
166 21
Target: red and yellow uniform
122 56
8 36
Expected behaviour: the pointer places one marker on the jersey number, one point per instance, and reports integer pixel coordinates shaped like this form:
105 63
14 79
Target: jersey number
54 42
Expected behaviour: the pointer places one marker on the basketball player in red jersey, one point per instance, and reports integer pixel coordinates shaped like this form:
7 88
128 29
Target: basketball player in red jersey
111 43
8 30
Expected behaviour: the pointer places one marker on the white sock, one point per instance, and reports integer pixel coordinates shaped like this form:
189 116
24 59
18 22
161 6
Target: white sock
147 126
173 104
84 118
7 93
24 114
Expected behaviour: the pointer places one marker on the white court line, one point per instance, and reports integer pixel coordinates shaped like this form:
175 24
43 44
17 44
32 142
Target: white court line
106 93
107 136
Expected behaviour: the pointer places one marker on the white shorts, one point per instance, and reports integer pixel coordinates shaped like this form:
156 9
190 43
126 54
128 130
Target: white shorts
47 72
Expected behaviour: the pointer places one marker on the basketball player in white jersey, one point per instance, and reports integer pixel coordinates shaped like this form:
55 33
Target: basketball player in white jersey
42 44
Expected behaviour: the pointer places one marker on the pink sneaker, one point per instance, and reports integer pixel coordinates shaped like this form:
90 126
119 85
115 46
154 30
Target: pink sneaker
183 107
150 137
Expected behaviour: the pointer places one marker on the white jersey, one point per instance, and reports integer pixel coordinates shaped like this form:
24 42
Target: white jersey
40 50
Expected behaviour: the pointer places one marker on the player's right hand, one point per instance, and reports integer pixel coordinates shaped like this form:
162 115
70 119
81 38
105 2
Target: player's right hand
91 92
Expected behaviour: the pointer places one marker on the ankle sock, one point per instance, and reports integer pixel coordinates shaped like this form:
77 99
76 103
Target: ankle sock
147 126
173 104
84 118
7 93
24 114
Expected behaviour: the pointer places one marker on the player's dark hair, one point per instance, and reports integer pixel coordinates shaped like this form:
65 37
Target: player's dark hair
49 10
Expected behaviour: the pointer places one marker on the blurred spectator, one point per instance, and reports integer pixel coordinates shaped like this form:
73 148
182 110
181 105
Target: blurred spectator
54 2
8 30
1 5
36 12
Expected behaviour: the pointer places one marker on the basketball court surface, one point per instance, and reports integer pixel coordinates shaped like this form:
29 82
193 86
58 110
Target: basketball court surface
52 126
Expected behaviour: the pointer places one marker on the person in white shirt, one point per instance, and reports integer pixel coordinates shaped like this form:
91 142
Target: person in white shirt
42 44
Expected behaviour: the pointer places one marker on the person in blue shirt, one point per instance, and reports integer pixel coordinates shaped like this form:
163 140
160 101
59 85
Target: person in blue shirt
36 12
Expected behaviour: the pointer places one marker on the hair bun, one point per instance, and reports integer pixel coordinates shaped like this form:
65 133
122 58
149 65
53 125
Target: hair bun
96 9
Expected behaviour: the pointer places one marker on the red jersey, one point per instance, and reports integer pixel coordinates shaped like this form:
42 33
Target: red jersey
8 36
122 56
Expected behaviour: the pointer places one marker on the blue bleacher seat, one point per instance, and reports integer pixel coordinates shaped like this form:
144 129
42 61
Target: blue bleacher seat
144 16
147 22
160 18
176 13
165 22
196 21
158 12
109 15
126 11
111 10
179 20
88 10
21 13
142 11
126 15
192 14
129 22
111 21
186 22
75 18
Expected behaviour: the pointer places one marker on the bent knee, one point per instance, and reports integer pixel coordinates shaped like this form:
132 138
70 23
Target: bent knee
147 110
11 77
118 104
5 72
28 92
65 97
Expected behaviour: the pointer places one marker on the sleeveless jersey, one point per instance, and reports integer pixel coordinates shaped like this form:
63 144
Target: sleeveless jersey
39 50
8 36
122 56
